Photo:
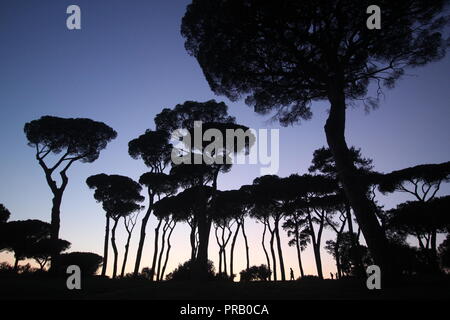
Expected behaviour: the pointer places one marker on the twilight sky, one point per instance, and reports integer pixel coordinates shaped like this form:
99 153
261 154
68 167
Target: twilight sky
125 65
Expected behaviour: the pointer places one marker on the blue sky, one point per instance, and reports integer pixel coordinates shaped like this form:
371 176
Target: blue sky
125 65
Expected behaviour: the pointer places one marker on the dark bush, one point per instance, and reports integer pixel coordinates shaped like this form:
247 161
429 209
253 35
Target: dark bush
261 273
87 261
184 272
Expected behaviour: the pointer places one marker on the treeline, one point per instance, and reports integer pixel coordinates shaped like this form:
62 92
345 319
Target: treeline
303 205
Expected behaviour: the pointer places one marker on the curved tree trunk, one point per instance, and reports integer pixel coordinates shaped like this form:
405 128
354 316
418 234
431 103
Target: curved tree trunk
125 255
55 225
216 228
316 247
280 251
299 254
247 251
272 251
192 239
360 272
155 252
169 246
233 243
264 248
113 243
163 244
105 246
142 236
353 188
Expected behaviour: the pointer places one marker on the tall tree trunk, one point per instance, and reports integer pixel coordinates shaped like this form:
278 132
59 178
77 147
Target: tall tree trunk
247 253
169 246
353 188
55 225
272 251
142 236
233 243
316 245
264 248
113 243
125 255
360 272
280 251
155 250
299 254
216 230
163 244
105 246
204 228
192 240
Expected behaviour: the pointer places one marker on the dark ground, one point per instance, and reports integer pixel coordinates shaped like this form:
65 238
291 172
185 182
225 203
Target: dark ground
42 287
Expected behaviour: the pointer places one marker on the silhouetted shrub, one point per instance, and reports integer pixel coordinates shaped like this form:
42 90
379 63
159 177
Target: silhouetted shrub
309 278
87 261
184 271
222 277
261 273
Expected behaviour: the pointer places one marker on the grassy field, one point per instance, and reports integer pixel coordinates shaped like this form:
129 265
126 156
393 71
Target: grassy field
39 287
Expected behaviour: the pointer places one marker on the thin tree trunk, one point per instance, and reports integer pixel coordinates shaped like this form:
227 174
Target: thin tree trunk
224 245
155 252
316 247
192 240
55 225
105 246
299 255
264 248
169 246
247 251
216 228
354 190
272 251
143 234
113 243
280 251
360 272
163 244
233 243
125 256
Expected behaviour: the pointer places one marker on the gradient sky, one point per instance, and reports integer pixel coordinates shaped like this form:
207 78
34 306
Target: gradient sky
125 65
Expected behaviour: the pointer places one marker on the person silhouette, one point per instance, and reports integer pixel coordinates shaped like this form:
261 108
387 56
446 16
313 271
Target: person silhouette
292 274
332 275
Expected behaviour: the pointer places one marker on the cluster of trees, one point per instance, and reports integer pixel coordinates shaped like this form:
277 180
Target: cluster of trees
286 56
301 205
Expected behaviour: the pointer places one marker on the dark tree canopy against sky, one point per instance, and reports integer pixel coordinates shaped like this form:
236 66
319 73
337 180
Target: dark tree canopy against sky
129 62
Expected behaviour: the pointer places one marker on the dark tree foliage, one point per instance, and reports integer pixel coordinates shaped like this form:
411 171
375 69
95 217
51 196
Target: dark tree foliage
255 273
425 180
4 214
284 55
182 116
203 165
423 220
120 196
87 261
184 271
70 140
323 161
22 237
154 149
347 252
42 251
